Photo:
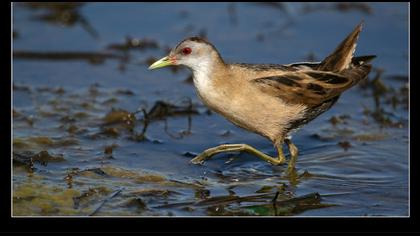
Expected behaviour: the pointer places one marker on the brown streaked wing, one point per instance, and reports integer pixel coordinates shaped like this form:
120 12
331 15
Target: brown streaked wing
310 87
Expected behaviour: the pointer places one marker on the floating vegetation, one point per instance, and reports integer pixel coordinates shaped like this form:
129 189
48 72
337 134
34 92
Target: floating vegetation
34 199
63 14
134 43
257 205
119 116
19 116
138 203
384 94
85 197
108 198
57 90
121 119
39 142
91 57
341 6
89 172
345 145
28 159
109 149
164 193
19 87
365 137
341 119
126 92
354 6
269 189
133 175
162 109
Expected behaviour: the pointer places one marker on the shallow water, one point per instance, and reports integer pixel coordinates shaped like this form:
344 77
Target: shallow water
79 142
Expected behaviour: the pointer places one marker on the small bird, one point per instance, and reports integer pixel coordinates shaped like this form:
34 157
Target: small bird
271 100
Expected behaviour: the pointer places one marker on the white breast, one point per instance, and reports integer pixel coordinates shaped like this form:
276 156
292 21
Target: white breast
203 82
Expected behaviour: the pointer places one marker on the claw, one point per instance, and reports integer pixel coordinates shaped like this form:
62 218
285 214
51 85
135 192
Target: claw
197 161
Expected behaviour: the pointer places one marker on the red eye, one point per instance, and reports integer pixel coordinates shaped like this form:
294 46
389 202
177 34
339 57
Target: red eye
186 51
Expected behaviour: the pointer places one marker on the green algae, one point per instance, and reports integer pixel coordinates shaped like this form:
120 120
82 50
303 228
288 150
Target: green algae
135 176
31 199
42 142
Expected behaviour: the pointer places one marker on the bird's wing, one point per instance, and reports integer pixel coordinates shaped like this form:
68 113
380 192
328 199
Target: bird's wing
310 87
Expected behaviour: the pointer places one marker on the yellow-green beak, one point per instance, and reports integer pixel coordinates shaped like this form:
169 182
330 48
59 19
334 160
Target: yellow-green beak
161 63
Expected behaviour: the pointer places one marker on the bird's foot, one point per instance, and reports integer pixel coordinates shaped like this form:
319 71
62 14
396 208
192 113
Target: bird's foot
198 160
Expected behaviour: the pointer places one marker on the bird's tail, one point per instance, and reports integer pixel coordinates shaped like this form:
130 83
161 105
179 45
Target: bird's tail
358 61
359 68
342 56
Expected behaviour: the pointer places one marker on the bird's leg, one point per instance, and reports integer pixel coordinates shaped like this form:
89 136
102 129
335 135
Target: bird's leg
293 154
207 154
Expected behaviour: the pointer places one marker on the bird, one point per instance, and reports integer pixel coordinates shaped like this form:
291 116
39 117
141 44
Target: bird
272 100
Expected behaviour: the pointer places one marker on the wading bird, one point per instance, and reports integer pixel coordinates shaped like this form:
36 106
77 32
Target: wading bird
268 99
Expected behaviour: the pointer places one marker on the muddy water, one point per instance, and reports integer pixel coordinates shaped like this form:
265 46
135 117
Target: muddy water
96 133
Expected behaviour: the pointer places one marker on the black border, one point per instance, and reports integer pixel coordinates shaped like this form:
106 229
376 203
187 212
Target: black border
206 224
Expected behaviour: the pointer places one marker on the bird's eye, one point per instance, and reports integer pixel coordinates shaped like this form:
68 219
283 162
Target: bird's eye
186 51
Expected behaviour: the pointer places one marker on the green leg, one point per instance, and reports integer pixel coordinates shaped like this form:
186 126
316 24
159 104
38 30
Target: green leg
293 155
207 154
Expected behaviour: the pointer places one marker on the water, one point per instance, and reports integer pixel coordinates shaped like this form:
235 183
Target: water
85 112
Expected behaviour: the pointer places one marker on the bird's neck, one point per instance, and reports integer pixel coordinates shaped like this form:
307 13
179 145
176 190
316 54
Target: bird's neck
208 64
205 72
205 68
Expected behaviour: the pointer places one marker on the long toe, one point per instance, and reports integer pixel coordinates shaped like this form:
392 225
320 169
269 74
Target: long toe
198 160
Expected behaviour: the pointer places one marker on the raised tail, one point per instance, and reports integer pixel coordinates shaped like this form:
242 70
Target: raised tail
358 61
342 56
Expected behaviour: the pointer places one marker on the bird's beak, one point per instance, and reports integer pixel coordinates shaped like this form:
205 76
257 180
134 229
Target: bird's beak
166 61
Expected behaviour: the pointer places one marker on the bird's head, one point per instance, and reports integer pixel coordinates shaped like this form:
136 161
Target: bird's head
194 52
